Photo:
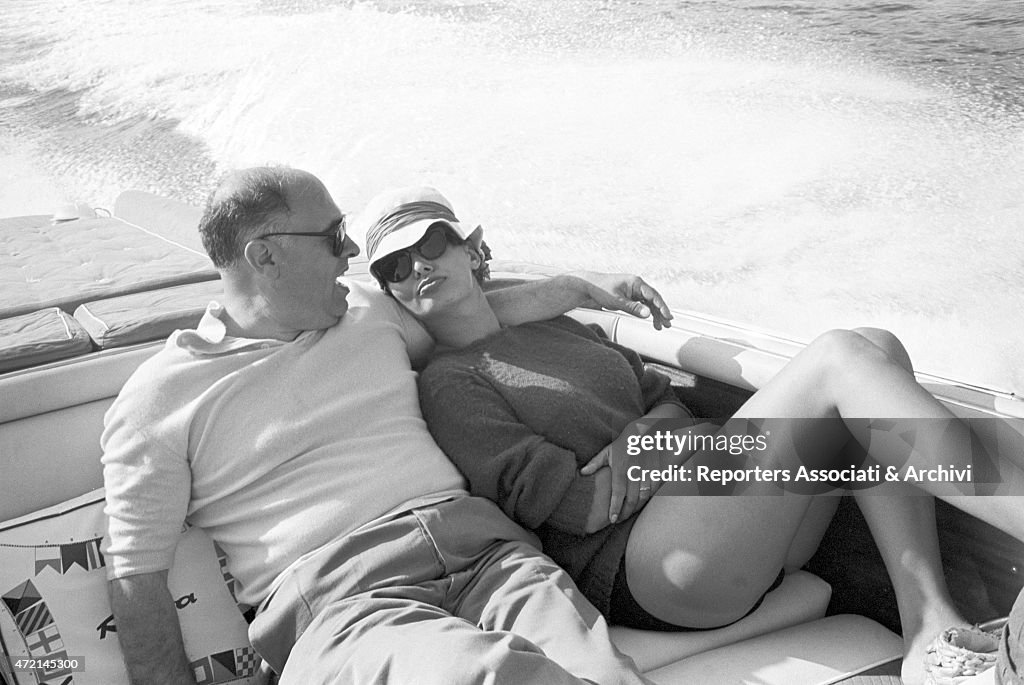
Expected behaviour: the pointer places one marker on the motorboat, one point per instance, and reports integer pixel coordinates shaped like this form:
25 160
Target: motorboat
87 296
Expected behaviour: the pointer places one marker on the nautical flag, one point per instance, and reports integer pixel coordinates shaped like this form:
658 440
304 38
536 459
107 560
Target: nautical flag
202 670
60 667
224 667
229 580
246 662
68 680
48 557
44 642
221 667
92 549
21 597
76 553
33 618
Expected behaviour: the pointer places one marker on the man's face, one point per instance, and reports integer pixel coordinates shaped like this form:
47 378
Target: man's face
306 295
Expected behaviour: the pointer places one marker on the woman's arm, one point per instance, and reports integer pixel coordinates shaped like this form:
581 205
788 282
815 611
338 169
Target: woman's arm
547 298
655 387
533 480
657 396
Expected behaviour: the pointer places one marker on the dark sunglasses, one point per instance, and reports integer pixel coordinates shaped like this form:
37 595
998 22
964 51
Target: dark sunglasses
397 266
336 235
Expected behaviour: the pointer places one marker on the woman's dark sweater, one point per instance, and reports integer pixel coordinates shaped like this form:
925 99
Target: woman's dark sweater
519 412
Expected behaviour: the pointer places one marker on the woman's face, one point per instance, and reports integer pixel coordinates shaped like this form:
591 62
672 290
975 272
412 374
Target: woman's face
436 284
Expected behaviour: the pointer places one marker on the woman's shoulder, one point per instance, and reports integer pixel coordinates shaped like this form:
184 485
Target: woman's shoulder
567 324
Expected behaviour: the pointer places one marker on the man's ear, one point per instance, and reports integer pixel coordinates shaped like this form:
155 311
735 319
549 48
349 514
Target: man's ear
261 256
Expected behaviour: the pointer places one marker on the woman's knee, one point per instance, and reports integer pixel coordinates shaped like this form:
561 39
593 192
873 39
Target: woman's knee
889 343
844 354
700 594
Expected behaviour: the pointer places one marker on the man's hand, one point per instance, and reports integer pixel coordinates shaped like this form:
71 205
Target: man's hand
627 293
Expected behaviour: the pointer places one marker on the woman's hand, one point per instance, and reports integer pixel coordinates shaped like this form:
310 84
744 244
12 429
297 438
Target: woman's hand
624 292
523 302
626 495
598 516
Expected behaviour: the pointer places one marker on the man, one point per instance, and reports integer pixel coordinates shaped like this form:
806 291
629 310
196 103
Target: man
287 426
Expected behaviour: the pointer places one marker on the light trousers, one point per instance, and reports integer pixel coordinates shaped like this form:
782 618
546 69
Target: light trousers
447 594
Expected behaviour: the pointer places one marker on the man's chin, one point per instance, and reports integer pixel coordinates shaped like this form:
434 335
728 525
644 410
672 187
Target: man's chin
340 300
340 311
330 319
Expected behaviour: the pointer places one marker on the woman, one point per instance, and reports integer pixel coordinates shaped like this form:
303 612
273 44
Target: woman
528 413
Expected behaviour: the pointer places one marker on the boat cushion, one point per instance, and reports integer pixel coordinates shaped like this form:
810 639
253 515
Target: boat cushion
828 650
150 315
63 265
40 337
54 604
801 597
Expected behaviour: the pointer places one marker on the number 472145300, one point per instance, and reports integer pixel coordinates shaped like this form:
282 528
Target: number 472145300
50 665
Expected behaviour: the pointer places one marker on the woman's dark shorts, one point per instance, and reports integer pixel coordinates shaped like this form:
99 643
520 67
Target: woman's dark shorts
626 611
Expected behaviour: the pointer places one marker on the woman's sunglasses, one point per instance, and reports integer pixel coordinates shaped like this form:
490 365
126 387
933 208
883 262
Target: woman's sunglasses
397 266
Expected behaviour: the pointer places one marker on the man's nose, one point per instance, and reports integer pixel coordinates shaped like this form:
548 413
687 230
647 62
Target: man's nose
349 249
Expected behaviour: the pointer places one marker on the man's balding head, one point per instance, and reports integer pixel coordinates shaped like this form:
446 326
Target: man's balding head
249 202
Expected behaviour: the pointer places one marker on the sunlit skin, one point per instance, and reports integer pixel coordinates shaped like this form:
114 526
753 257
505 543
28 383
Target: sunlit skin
290 284
445 288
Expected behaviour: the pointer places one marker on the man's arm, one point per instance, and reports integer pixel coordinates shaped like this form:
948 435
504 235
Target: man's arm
148 630
548 298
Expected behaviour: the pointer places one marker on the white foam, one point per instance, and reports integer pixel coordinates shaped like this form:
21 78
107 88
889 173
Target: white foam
801 192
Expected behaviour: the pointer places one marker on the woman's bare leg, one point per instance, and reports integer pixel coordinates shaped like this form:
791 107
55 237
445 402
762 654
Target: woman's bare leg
712 569
726 559
843 374
902 524
904 530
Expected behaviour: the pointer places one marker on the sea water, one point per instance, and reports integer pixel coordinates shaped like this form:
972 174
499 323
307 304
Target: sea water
793 165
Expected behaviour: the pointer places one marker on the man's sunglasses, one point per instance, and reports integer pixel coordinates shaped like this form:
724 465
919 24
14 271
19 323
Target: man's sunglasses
397 266
336 234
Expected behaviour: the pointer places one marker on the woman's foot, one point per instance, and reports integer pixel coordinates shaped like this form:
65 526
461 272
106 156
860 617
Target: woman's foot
916 641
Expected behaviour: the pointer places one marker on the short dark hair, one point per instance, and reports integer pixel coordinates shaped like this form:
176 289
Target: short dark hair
244 205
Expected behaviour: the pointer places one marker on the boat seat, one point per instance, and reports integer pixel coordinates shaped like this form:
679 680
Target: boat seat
145 316
40 337
820 652
44 265
51 418
802 597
